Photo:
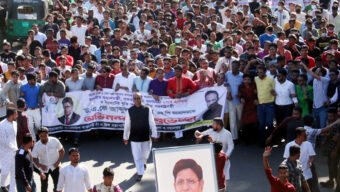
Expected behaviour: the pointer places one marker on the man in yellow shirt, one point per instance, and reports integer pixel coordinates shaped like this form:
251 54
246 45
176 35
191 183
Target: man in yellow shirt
11 67
297 24
265 110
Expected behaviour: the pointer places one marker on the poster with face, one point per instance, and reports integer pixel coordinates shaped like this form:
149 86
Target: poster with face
185 169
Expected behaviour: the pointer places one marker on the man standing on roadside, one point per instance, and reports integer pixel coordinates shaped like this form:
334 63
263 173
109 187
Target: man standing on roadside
138 123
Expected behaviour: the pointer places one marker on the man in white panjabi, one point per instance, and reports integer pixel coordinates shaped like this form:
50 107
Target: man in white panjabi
74 177
138 123
219 134
8 148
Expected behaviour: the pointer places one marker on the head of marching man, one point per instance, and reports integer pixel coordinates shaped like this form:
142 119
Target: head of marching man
27 141
11 114
43 134
188 176
217 124
137 99
74 156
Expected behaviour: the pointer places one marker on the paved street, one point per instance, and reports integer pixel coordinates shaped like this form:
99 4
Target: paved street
247 174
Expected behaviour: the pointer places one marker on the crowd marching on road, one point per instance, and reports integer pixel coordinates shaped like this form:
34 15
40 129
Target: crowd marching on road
278 62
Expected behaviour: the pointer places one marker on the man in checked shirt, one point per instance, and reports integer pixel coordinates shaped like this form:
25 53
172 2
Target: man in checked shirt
295 169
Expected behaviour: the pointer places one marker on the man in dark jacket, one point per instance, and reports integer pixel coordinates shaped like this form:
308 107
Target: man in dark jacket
24 166
139 122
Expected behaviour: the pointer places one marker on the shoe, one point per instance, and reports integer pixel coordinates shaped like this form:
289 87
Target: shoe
4 189
327 184
139 178
144 166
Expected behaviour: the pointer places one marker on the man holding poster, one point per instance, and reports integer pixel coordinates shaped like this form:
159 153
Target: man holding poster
138 123
218 134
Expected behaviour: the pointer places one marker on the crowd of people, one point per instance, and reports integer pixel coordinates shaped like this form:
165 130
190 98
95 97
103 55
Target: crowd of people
278 63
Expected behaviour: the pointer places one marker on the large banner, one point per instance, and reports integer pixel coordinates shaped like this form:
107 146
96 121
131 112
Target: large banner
87 110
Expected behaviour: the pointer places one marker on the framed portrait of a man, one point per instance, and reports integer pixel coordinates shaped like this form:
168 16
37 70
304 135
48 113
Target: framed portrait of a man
186 168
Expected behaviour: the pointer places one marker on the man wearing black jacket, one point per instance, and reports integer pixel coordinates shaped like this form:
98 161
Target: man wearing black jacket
24 166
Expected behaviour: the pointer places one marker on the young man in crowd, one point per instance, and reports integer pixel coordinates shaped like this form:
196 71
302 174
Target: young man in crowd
67 180
47 155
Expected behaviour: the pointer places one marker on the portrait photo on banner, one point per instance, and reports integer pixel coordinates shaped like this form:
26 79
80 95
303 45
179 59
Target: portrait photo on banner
191 168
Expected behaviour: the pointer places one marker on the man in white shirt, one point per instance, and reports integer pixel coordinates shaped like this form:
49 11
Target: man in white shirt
123 80
220 135
74 177
285 96
8 148
41 37
227 59
143 34
79 30
47 155
282 14
139 123
307 155
74 83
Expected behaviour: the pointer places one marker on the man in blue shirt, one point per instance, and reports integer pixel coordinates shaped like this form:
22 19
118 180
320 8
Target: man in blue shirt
30 92
141 83
268 36
233 79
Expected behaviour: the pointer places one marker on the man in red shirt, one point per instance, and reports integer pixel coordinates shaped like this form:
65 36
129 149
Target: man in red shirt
304 55
277 184
180 86
220 159
105 79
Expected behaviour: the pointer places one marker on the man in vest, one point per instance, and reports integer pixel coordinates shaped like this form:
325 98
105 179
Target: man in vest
138 123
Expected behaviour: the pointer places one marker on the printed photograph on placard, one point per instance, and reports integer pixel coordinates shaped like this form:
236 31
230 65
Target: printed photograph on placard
186 168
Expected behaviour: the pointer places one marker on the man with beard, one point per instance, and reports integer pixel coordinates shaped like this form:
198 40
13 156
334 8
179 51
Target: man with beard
67 179
47 155
220 135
